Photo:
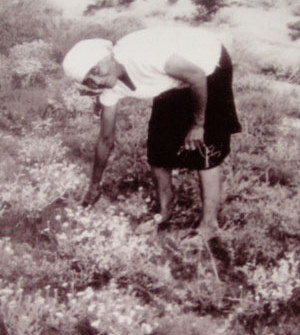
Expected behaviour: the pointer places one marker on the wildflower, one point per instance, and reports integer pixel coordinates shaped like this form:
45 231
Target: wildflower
157 218
100 310
89 292
73 302
12 305
69 295
65 225
121 318
132 313
62 236
86 234
91 308
40 301
146 328
96 323
7 291
20 291
9 250
128 320
175 172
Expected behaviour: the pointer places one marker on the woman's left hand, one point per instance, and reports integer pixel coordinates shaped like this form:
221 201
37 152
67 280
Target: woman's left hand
194 138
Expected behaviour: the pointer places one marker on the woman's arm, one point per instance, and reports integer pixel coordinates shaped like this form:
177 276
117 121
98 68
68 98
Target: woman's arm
194 76
103 149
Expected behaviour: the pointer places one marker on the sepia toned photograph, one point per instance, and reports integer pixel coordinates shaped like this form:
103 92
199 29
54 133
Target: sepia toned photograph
149 167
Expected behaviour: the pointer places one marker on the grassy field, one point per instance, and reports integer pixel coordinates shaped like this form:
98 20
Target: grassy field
66 270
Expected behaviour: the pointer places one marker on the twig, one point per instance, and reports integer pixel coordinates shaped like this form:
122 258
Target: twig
212 260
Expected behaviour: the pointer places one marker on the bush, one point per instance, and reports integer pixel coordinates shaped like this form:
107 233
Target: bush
30 64
207 8
24 21
99 4
65 267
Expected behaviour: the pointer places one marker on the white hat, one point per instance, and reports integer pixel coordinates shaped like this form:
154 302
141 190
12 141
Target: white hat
84 55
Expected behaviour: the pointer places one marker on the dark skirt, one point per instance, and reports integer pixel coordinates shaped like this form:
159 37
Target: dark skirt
173 115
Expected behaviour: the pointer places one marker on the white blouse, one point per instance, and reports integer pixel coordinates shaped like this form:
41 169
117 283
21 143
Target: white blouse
144 54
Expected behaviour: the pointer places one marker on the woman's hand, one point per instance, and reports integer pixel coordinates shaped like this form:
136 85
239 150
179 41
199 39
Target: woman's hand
194 138
85 90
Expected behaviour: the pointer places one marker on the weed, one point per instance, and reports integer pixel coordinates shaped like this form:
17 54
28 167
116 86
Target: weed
65 268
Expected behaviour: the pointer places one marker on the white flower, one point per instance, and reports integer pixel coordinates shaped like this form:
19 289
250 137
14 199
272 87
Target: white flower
91 308
9 250
128 320
40 301
62 236
12 305
80 294
65 225
73 302
146 328
121 318
96 324
7 291
59 315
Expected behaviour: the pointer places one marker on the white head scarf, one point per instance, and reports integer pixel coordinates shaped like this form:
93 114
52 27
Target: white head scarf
84 55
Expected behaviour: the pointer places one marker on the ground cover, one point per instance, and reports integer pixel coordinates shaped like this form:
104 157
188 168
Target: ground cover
68 270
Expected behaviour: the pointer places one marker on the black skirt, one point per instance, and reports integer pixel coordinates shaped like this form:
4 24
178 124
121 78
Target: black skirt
173 115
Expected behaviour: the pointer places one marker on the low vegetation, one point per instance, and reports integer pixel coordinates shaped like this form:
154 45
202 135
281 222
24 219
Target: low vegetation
69 270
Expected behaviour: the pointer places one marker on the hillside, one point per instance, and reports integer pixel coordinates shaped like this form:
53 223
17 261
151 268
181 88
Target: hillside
67 270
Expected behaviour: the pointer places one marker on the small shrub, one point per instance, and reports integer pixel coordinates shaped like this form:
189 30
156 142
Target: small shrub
24 105
24 21
30 64
99 4
206 9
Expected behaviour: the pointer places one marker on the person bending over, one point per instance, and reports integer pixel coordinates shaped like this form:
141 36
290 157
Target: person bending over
188 72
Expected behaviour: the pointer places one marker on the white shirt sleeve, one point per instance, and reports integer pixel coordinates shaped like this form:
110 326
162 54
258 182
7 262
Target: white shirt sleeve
109 98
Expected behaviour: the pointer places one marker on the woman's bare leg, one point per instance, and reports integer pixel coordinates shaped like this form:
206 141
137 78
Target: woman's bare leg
210 187
163 184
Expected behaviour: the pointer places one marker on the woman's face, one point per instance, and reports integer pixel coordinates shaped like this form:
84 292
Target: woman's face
101 76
